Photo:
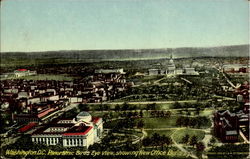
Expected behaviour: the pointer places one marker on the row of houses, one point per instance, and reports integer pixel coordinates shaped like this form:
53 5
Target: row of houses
236 68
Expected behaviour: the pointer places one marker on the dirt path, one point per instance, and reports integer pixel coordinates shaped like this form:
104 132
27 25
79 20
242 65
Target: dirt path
180 147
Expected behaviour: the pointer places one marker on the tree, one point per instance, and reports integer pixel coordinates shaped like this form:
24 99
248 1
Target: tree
162 113
197 111
117 108
106 107
168 114
146 141
125 106
168 141
179 121
95 147
111 115
186 121
129 123
193 140
177 105
156 138
200 147
151 106
165 140
135 114
130 114
100 107
192 122
185 139
140 124
83 107
141 114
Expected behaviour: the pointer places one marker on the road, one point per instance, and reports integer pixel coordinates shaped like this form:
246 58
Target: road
146 102
223 73
244 138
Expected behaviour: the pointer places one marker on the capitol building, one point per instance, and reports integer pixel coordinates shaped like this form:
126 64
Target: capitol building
81 131
172 70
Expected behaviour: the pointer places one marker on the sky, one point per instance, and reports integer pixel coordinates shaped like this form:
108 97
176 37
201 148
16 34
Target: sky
48 25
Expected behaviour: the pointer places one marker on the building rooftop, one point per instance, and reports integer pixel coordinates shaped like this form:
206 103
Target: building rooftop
104 71
83 113
78 130
95 120
41 131
22 69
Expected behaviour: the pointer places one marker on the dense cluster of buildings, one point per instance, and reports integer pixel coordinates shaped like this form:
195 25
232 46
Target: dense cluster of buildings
81 131
30 100
242 92
173 70
236 68
229 126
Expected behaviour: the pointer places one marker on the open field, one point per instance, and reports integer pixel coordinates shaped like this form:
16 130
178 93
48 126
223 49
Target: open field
161 132
160 122
179 134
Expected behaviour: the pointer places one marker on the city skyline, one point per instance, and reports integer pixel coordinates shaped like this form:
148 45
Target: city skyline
94 25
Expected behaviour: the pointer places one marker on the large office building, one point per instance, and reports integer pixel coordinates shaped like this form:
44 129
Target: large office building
82 131
227 125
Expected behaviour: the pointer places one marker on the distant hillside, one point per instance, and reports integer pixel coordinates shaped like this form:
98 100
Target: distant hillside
99 55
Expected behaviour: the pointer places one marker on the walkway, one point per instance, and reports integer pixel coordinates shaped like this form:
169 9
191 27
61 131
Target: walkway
243 136
180 147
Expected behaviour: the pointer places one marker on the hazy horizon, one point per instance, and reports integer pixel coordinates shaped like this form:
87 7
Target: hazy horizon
122 49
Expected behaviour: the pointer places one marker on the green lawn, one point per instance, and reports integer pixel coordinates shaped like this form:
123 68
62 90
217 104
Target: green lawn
165 106
161 132
160 122
178 135
206 112
150 123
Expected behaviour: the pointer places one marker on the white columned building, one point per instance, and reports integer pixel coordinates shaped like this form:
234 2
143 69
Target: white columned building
81 131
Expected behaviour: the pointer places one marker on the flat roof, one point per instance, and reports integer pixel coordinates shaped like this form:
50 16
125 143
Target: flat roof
78 130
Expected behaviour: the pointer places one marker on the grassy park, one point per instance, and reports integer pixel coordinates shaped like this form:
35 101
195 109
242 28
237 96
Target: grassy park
161 132
180 133
157 123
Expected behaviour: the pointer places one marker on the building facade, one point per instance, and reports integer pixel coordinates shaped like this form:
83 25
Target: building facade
82 131
226 126
173 70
